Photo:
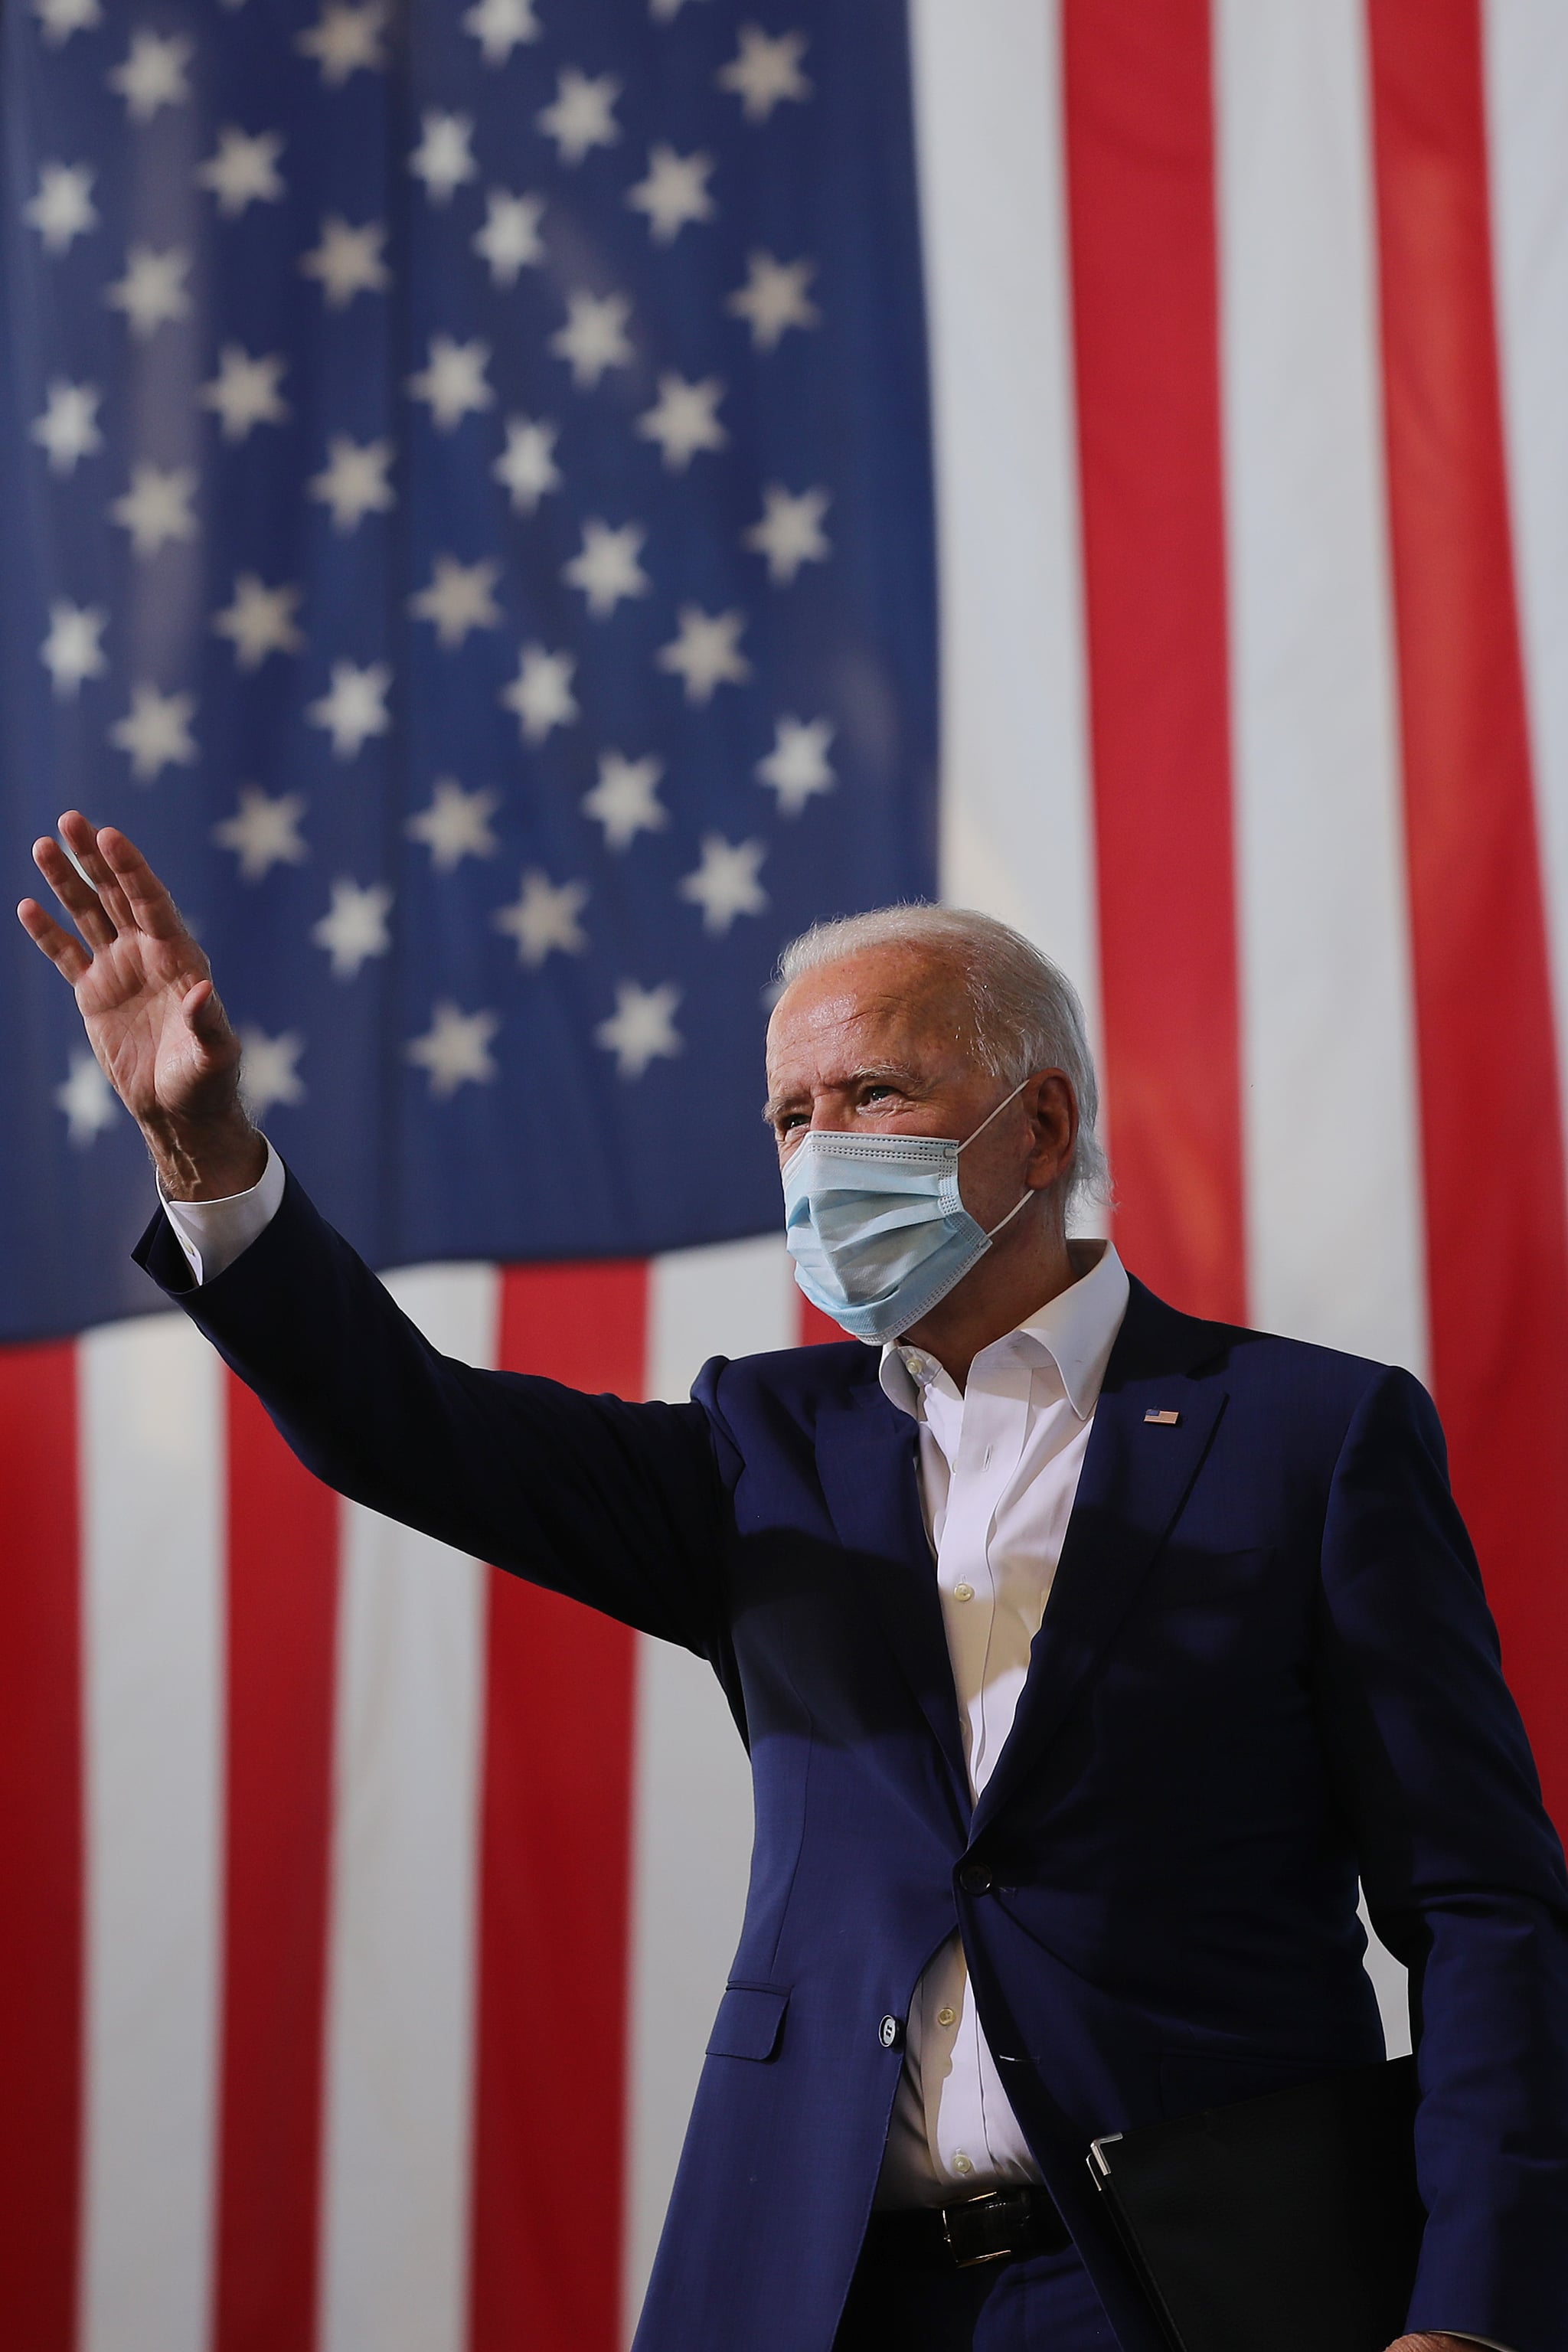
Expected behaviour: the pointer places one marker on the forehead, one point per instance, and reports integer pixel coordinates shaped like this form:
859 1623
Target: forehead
896 1004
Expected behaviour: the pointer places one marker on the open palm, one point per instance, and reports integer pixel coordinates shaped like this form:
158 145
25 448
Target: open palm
142 985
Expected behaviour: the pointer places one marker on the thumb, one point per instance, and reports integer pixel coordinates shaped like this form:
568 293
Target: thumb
204 1014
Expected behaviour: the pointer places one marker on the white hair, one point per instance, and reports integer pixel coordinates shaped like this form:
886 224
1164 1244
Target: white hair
1025 1012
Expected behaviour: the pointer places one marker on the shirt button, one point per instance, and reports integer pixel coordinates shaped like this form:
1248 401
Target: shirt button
946 2016
963 1592
961 2163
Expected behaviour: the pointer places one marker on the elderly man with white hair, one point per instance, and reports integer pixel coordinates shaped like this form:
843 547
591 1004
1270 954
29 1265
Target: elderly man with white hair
1087 1653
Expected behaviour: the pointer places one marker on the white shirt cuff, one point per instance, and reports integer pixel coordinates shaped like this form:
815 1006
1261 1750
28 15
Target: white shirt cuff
213 1233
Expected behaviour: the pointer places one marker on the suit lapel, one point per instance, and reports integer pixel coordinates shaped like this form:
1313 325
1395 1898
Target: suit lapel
866 1454
1136 1476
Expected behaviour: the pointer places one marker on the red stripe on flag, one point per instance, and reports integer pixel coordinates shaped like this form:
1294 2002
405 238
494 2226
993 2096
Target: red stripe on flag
1140 176
556 1881
40 1849
1496 1234
283 1619
814 1327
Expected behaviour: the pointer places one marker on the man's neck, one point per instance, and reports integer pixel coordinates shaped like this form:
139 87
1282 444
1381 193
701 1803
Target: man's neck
1004 1289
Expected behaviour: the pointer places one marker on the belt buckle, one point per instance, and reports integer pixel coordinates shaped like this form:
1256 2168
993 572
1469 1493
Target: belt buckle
992 2198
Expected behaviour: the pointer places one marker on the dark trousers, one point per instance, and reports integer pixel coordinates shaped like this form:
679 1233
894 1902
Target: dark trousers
1043 2305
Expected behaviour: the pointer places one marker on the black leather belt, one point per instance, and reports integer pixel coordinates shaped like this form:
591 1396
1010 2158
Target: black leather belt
1007 2221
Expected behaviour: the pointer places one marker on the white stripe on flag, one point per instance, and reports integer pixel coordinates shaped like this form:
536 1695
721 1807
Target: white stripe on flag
1015 809
399 2095
1527 91
152 1466
692 1826
1333 1193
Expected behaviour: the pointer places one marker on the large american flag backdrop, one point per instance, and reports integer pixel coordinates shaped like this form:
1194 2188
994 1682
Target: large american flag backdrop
480 486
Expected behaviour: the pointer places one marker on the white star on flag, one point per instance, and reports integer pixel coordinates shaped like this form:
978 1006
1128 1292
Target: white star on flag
454 1049
268 1075
460 598
156 732
674 192
582 114
346 40
73 650
63 209
453 382
354 708
664 12
594 337
540 693
444 158
456 825
642 1027
152 291
354 926
348 261
264 833
353 482
156 509
797 767
68 429
58 19
725 885
607 569
790 532
706 652
260 621
773 299
763 70
243 171
152 75
683 419
244 393
500 25
510 237
526 466
87 1098
544 917
626 799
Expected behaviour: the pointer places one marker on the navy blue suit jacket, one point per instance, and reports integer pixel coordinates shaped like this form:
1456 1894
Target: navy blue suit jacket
1267 1665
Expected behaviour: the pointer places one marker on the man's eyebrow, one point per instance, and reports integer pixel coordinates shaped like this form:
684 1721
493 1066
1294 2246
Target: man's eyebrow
875 1073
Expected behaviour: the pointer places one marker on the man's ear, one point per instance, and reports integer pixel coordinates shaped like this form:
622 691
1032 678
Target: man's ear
1054 1108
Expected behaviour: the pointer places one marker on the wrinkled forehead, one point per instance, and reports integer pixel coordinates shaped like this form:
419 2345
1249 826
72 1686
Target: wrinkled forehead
902 1004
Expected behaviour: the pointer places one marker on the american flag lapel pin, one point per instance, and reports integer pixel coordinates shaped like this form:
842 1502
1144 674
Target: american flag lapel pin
1163 1419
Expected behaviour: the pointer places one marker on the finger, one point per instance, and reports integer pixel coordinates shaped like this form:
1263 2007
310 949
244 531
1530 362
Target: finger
205 1016
69 958
80 838
153 909
77 897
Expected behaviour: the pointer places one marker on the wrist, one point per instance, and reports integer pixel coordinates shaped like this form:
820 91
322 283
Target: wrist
205 1160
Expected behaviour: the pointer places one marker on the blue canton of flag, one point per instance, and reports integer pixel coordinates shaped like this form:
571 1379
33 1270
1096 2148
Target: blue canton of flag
468 515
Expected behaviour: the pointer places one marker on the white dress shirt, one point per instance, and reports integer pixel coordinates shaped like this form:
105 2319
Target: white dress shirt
999 1469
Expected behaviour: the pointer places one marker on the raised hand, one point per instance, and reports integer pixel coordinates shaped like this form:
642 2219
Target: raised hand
152 1016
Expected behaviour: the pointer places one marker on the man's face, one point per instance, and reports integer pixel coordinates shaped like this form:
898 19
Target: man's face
880 1043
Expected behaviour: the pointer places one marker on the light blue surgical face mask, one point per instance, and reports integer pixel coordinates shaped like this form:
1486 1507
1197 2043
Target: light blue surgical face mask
876 1226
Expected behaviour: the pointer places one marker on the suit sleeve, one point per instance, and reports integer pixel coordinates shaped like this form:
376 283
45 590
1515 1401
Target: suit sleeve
620 1505
1462 1870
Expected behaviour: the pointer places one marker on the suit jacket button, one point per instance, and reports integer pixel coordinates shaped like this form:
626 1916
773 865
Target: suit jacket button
891 2034
974 1878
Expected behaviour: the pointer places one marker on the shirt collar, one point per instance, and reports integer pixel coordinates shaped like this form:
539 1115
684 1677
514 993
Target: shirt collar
1076 1329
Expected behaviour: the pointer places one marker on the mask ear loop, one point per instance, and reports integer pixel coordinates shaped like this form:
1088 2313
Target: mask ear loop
968 1139
993 1114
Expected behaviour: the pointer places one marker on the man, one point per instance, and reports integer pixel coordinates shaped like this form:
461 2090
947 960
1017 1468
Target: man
1085 1653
